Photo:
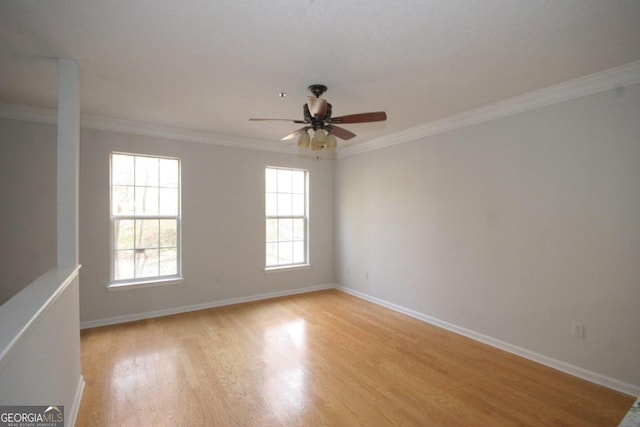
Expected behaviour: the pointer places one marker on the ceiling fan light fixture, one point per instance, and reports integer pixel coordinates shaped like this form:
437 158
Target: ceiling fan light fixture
304 140
331 143
316 146
318 137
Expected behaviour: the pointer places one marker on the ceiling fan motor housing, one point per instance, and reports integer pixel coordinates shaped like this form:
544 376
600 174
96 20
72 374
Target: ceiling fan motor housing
317 122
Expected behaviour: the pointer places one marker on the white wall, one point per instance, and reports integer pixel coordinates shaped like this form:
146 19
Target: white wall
511 228
27 203
223 225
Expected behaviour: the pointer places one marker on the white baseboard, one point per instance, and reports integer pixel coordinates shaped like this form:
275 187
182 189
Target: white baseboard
568 368
184 309
73 412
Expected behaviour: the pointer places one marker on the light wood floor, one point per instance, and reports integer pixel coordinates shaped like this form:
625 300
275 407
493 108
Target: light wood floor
324 358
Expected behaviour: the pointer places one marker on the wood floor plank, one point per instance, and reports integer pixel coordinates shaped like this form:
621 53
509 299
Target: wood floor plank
324 358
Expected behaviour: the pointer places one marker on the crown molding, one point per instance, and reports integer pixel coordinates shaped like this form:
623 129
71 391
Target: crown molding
91 121
28 114
612 78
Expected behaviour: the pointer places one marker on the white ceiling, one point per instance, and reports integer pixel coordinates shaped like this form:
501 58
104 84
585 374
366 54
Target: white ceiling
211 65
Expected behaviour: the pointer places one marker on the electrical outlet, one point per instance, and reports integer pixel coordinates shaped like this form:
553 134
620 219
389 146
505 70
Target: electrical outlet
366 275
577 329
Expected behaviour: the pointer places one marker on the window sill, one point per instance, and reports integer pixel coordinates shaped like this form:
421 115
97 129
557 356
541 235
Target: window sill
287 268
124 286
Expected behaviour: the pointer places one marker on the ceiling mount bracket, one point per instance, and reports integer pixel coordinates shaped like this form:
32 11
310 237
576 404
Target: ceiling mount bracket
317 90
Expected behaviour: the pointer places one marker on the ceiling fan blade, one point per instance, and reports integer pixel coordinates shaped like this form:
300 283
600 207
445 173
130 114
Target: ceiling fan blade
342 133
377 116
281 120
317 106
296 133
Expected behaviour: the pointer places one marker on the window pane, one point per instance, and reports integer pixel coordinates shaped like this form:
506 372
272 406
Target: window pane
147 233
298 204
168 262
121 170
285 230
123 234
123 265
146 201
147 262
285 253
169 173
272 254
168 201
271 180
271 203
272 230
284 181
122 200
297 178
284 204
298 229
146 171
168 233
298 252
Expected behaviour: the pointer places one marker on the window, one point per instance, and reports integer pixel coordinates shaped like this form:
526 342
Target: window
145 219
286 217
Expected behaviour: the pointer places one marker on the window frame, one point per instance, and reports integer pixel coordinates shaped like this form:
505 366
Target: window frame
149 281
305 217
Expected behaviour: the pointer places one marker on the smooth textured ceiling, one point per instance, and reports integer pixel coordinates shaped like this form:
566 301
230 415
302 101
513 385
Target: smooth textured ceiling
210 65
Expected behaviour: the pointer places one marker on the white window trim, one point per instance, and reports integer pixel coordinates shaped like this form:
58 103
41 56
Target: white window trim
291 267
165 281
144 282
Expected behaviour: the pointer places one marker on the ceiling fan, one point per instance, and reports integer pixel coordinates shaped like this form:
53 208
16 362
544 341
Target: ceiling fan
317 116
